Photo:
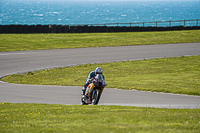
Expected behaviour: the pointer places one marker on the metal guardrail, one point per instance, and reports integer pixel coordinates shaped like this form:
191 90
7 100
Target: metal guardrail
154 24
28 29
109 27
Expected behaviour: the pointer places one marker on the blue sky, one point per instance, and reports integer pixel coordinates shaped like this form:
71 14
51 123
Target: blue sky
117 0
109 0
131 0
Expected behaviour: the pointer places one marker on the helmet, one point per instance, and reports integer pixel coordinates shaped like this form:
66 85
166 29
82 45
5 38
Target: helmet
98 70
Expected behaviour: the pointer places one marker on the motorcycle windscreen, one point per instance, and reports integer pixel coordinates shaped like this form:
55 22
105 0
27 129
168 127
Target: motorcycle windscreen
99 77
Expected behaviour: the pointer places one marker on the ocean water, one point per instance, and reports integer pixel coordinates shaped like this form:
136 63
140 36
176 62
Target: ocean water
69 12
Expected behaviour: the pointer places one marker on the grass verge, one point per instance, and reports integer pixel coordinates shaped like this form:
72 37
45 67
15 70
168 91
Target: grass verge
76 118
170 75
21 42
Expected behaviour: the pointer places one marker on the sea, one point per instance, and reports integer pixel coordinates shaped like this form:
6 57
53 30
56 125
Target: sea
80 12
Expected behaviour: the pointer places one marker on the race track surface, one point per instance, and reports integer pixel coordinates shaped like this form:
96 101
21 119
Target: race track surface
24 61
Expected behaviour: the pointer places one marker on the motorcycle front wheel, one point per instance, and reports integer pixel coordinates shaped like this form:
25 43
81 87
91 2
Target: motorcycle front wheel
83 98
96 97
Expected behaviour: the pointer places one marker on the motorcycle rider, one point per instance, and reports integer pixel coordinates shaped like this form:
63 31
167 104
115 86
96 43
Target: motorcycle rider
91 76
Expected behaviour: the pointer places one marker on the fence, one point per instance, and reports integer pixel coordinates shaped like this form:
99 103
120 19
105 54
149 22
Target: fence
95 28
155 24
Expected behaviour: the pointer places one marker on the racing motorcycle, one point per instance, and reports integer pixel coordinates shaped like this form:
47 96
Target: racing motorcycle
95 88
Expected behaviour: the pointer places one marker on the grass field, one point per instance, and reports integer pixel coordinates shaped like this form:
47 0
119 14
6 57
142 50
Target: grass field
170 75
19 42
32 118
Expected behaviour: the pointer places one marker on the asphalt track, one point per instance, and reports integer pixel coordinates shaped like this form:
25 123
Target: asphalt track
24 61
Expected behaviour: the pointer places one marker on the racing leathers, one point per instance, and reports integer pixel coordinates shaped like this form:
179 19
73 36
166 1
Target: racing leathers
91 76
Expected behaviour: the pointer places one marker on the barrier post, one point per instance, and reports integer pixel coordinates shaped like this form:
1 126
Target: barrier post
184 23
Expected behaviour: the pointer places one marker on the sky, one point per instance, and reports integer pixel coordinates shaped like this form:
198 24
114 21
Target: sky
116 0
106 0
131 0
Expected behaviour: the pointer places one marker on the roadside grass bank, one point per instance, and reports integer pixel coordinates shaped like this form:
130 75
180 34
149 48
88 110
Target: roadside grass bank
22 42
179 75
75 118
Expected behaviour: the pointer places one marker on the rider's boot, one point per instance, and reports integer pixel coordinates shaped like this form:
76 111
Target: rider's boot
84 89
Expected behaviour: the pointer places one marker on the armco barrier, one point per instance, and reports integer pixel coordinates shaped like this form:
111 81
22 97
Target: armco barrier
99 28
45 29
31 28
52 29
79 29
1 29
25 29
92 29
13 29
72 29
84 29
111 29
65 29
6 29
58 28
39 29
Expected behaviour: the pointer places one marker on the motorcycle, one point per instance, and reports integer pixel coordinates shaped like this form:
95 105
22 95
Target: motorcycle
95 88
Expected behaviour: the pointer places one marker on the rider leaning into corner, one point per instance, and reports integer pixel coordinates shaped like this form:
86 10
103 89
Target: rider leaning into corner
91 76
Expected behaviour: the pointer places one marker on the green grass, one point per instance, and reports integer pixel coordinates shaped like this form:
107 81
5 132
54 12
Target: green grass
33 118
19 42
173 75
170 75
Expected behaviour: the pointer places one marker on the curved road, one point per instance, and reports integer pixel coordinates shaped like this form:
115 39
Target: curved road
24 61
